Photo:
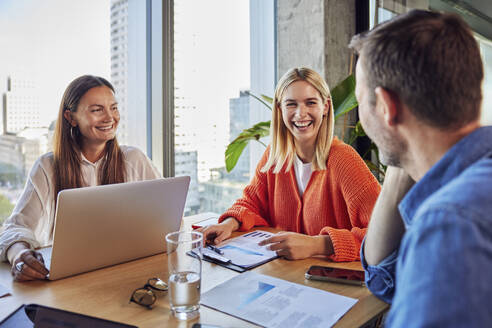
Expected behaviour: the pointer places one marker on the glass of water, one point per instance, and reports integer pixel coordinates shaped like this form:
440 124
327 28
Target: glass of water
184 254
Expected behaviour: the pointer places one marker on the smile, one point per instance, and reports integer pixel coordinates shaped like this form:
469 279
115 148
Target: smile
105 128
302 124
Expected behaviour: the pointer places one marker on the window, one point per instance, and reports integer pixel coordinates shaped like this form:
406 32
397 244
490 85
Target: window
476 14
40 56
49 44
214 42
222 49
486 48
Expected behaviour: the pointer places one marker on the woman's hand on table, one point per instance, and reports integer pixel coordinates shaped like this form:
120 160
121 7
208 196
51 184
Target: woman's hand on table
27 264
297 246
217 233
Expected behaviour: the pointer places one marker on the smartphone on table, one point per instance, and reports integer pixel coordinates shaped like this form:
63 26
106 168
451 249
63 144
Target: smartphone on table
345 276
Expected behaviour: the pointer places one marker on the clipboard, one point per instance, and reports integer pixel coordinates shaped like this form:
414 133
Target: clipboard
227 265
242 252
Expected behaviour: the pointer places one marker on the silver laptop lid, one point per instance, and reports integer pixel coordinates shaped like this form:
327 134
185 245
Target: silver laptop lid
105 225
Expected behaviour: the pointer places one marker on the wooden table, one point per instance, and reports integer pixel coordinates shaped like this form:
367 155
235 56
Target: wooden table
105 293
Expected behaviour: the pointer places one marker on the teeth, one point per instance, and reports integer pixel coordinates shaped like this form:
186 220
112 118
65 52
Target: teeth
302 124
105 128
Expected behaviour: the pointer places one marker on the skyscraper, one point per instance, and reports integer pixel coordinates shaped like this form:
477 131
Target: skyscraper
263 67
119 62
22 105
129 76
223 189
240 120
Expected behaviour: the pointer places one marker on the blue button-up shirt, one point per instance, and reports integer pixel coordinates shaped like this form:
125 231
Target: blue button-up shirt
441 275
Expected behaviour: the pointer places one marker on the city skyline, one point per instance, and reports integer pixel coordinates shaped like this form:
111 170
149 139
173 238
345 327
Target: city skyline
209 70
52 42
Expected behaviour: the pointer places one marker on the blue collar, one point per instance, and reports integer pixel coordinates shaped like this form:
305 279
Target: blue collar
464 153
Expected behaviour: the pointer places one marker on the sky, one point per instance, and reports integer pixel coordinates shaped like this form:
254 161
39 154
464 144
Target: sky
53 42
212 64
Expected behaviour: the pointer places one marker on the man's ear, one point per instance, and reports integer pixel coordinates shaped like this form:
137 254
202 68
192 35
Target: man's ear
390 104
68 116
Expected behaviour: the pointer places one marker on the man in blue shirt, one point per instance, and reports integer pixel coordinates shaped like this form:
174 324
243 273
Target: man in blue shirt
419 82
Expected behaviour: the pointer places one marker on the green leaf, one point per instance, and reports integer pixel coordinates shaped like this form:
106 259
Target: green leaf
236 147
359 130
343 96
356 132
265 100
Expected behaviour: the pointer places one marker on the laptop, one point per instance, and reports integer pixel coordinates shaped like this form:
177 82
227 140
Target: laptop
99 226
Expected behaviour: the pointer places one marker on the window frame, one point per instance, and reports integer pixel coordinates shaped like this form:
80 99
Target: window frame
160 80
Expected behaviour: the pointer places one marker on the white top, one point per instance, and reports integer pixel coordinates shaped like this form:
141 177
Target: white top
303 173
33 217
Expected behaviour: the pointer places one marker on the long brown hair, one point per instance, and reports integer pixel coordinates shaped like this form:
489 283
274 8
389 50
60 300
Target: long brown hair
68 142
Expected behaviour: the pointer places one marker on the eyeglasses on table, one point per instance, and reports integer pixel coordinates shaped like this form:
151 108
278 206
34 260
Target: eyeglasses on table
146 295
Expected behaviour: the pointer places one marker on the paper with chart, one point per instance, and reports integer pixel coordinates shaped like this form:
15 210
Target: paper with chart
273 302
244 250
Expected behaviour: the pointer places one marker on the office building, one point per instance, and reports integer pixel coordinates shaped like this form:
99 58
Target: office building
11 150
263 65
219 192
186 164
129 77
20 151
34 144
119 62
21 105
222 189
240 120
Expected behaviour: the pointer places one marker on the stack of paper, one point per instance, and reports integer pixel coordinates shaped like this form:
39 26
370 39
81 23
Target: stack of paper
273 302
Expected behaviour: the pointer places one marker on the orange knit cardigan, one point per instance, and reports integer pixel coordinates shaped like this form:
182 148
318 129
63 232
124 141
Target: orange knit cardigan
337 201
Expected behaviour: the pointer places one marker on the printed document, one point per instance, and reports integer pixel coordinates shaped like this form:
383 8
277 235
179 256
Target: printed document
272 302
244 250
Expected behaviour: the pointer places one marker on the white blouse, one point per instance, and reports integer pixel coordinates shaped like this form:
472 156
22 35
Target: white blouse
33 217
303 174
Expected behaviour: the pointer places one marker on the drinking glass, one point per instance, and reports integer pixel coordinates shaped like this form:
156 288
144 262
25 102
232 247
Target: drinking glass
184 254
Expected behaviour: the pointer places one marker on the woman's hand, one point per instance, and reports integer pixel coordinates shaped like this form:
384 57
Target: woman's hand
216 233
297 246
27 264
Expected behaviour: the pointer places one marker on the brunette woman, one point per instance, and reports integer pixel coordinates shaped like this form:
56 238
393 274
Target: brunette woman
86 153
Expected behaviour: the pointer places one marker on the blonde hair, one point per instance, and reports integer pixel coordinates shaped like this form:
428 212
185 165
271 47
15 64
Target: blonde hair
282 147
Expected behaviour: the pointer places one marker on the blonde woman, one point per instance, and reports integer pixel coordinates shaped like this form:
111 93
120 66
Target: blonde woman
86 153
308 183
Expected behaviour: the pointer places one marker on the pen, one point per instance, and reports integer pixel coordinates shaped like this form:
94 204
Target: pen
215 249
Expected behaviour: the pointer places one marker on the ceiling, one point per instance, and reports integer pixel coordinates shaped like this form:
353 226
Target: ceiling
477 13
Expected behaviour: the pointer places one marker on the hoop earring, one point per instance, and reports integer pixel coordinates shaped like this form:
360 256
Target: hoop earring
71 132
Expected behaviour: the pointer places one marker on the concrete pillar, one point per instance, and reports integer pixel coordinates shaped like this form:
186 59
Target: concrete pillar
315 33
